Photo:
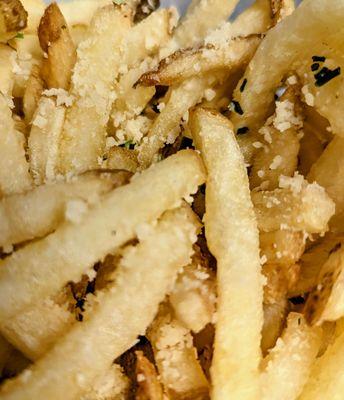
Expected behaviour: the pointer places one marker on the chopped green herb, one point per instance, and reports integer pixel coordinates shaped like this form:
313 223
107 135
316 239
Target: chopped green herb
243 130
235 106
243 85
319 58
19 35
128 144
118 2
315 67
325 75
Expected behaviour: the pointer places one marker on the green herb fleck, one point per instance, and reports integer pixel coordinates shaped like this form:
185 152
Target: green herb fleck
118 2
19 35
128 144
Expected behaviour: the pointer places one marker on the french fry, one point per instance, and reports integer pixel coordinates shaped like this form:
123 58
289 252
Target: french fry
35 10
288 365
278 154
292 207
193 297
56 42
84 132
166 126
14 175
176 358
41 268
326 377
282 247
149 386
38 212
200 19
113 385
35 330
325 302
78 362
312 261
232 237
33 92
6 70
5 352
13 18
122 158
326 172
185 64
28 46
44 138
281 9
264 76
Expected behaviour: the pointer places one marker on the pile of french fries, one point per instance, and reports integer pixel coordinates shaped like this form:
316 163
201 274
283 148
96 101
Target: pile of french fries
172 201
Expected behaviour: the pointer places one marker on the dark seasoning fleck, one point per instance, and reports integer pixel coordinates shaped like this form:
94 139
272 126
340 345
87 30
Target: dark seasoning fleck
325 74
243 130
235 105
243 85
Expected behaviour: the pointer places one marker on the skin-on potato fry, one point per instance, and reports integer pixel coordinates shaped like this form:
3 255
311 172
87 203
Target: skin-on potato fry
288 365
325 302
200 19
232 236
185 64
310 22
193 297
13 18
176 358
312 261
327 172
41 268
32 95
292 207
38 212
149 386
326 375
56 42
110 329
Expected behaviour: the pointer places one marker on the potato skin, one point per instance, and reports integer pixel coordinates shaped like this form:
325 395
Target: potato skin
13 15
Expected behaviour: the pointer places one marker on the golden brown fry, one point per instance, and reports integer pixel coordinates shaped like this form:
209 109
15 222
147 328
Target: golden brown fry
283 247
325 302
6 70
13 18
32 95
288 365
176 358
281 9
122 158
312 261
43 267
194 296
56 42
200 19
292 207
185 64
328 172
231 229
87 350
38 212
149 386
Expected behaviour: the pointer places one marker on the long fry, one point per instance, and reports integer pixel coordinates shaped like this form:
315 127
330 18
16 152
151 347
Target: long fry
288 366
201 18
38 212
89 348
231 228
310 22
43 267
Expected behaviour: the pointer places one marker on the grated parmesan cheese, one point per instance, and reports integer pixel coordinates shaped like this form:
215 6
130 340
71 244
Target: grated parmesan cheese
62 96
75 210
285 117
